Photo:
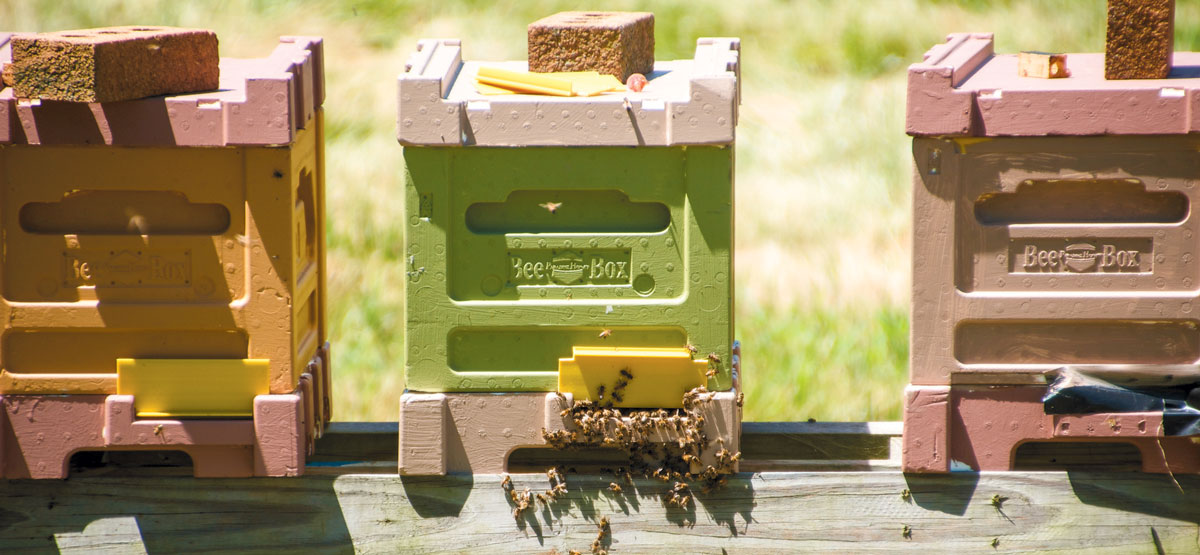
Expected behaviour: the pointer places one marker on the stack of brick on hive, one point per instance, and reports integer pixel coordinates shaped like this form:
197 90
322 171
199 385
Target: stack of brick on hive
546 257
1054 225
163 272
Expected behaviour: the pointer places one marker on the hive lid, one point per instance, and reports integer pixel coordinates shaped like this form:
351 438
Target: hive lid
686 102
962 88
261 101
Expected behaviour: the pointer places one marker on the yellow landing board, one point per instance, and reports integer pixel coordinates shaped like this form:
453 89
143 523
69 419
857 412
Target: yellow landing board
193 388
660 375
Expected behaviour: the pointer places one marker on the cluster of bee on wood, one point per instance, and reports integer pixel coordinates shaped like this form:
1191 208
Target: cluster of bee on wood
605 530
522 500
679 496
663 444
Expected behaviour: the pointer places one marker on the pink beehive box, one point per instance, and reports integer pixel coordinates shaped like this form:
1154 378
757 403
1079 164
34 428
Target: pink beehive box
1054 225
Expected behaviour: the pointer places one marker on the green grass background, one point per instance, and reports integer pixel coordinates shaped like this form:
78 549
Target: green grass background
823 188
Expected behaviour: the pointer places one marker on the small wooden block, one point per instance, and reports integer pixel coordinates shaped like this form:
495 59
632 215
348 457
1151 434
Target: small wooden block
114 63
1042 65
1140 39
613 43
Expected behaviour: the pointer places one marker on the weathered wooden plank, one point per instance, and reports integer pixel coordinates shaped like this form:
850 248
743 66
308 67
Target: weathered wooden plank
853 442
776 512
352 500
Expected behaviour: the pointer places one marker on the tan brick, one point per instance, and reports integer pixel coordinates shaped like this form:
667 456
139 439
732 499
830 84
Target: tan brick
616 43
1140 39
114 63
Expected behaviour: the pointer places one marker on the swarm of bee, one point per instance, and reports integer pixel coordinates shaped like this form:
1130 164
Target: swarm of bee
640 432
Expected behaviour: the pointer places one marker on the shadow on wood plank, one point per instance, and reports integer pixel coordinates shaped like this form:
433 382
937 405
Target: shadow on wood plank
164 514
438 496
945 493
1157 495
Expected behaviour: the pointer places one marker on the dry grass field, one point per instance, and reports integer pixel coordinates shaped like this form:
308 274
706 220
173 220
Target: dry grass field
822 196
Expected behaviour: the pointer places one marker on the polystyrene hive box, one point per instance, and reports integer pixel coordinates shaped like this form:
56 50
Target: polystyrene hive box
613 228
174 227
1054 224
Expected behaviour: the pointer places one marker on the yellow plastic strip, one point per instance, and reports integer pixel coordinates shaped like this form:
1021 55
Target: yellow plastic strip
524 81
486 89
660 375
193 388
592 85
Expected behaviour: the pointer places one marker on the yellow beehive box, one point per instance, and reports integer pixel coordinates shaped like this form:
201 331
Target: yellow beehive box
176 227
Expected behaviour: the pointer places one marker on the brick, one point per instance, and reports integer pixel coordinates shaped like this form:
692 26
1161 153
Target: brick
1140 38
615 43
114 63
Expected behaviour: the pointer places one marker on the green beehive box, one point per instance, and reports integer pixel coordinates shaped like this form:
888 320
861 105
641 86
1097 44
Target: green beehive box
610 226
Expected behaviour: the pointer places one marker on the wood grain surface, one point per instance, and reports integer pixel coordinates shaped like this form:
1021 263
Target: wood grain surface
351 500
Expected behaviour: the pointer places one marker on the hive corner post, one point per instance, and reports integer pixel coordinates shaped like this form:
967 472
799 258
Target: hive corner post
551 267
1052 235
163 281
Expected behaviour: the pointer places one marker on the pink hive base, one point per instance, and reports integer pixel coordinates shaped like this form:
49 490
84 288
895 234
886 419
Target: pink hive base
980 428
41 432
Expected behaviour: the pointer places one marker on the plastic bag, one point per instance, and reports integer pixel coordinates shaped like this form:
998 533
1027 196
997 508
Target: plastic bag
1076 391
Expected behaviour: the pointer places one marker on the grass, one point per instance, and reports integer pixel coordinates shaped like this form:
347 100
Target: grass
822 214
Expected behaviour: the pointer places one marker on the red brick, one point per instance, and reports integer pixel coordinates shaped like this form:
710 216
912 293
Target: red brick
114 63
1140 39
615 43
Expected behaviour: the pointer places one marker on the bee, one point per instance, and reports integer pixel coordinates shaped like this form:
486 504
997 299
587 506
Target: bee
574 552
741 398
995 543
691 348
543 498
616 395
714 358
998 501
614 487
712 372
906 532
600 392
605 333
906 495
625 373
551 207
158 430
506 483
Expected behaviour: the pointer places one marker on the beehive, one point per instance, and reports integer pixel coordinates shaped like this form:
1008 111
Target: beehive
1053 226
182 235
543 230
